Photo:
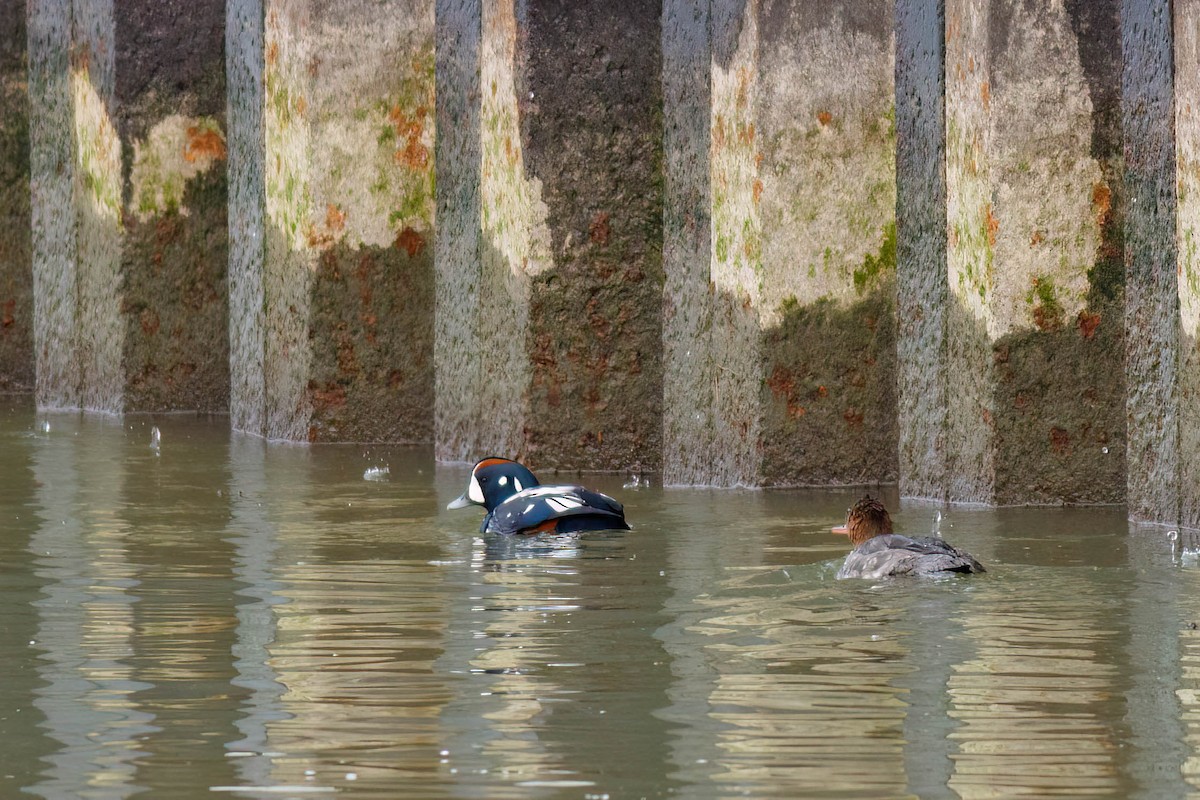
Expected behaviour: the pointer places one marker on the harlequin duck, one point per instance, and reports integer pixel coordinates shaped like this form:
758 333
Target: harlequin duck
879 553
517 503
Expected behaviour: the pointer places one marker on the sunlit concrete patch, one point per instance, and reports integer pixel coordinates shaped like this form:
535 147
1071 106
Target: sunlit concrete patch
514 213
1187 237
177 150
828 186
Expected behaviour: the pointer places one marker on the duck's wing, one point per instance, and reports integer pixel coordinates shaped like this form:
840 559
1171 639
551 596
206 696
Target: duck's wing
561 508
895 554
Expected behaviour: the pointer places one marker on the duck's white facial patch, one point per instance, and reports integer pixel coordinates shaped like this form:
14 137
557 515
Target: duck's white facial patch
475 491
503 480
517 485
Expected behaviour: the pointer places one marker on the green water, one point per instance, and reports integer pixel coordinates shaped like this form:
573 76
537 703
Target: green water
221 617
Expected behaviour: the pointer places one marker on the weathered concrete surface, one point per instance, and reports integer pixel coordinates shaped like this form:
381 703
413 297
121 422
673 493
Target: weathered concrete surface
16 270
592 136
170 95
1152 303
826 166
128 253
338 219
1186 31
780 365
688 425
921 285
550 340
76 205
1027 340
1060 211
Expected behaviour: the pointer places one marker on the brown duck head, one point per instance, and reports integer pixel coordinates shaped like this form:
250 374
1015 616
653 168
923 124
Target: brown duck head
866 520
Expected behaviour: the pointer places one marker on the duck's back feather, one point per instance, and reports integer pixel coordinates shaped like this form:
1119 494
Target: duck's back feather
894 554
563 509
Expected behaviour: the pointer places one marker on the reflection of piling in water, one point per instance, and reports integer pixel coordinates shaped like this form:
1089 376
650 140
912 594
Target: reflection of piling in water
86 620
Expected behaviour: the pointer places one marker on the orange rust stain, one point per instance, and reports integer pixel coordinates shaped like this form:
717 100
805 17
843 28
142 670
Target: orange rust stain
781 382
853 417
411 242
1060 441
335 218
1021 402
415 156
272 54
719 132
333 395
822 391
993 224
150 322
599 229
758 190
203 142
301 106
10 306
395 379
971 64
1037 238
1102 201
1088 323
824 117
985 94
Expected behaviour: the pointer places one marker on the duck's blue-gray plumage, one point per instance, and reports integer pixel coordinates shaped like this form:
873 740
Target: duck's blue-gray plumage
893 554
571 508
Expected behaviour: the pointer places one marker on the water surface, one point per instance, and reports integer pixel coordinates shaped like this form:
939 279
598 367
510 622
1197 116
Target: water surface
219 616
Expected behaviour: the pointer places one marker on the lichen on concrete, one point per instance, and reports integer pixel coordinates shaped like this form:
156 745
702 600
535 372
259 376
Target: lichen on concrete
177 149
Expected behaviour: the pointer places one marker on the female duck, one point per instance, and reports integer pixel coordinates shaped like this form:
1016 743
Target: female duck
517 503
879 553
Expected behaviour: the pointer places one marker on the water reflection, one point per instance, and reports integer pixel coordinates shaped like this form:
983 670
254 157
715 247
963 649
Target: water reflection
262 620
85 613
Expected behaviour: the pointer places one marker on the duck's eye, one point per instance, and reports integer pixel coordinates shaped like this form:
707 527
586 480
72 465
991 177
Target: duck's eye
483 479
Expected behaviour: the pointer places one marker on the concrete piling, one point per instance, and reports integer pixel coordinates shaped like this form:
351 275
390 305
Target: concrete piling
729 242
1011 379
16 267
551 334
332 121
128 255
778 324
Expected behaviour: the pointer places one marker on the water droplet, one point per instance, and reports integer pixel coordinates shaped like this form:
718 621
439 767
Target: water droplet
1104 450
45 426
351 776
155 439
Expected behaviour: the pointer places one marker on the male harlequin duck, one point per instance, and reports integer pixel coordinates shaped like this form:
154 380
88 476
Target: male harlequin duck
879 553
517 503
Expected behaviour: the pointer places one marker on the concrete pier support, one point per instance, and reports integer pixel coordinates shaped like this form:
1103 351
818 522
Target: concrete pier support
331 112
1186 32
1010 380
128 205
16 271
779 324
1155 359
550 277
